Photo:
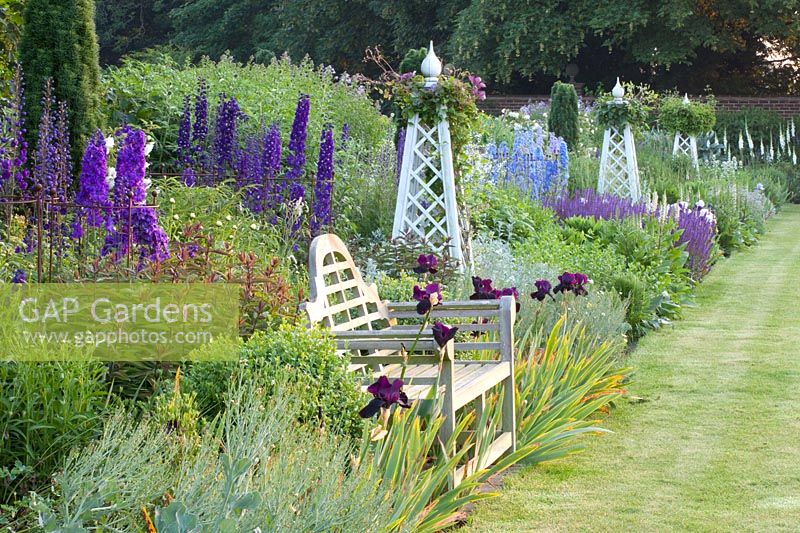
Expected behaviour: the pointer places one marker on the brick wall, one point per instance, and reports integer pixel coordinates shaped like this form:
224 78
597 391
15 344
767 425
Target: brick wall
786 106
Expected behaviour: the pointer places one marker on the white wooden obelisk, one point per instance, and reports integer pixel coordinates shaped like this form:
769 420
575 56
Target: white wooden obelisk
619 170
686 145
426 197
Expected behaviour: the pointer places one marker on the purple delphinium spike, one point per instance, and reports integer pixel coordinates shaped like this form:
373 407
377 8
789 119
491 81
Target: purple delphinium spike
345 135
225 142
63 159
92 187
296 159
321 208
130 188
249 172
200 126
13 166
44 158
271 165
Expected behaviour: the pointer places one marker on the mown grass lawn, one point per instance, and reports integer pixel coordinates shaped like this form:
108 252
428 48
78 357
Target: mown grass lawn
710 438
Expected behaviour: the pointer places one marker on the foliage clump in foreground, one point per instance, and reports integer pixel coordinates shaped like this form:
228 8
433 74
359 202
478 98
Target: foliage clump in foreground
254 466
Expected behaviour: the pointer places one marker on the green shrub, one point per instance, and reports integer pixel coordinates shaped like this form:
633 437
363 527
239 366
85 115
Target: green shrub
412 60
563 119
328 395
688 118
59 42
150 95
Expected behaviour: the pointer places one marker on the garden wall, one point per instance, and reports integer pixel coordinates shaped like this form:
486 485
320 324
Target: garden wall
786 106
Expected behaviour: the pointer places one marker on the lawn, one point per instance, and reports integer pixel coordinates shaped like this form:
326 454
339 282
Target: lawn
706 441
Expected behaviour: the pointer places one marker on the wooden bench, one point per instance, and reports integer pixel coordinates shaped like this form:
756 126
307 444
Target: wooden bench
367 327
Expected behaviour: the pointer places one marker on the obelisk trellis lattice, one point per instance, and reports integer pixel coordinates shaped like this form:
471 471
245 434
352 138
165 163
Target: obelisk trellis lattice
686 145
426 197
619 170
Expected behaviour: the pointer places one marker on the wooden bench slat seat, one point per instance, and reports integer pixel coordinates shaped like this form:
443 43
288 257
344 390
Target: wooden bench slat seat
366 327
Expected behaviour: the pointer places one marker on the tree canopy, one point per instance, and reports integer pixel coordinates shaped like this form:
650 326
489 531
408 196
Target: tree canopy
733 46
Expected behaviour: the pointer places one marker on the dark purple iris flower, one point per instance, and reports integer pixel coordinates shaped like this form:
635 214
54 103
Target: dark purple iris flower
483 289
572 282
543 288
428 298
443 334
385 394
19 276
426 264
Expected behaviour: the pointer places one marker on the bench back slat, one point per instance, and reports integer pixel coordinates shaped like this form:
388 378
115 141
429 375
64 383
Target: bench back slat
340 299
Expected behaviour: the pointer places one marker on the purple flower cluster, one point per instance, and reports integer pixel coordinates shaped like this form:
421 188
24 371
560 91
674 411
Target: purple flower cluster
529 165
130 190
572 282
200 126
427 264
185 152
697 224
385 393
698 227
428 298
478 87
588 203
296 159
225 144
19 276
485 291
321 209
92 186
14 158
52 165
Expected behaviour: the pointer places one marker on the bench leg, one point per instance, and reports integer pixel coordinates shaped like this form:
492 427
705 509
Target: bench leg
448 405
509 412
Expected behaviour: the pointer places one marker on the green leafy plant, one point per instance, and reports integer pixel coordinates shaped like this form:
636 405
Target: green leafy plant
563 119
689 118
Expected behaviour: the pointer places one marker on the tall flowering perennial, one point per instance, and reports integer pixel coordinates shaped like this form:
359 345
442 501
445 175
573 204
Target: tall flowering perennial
250 173
296 160
200 125
321 209
92 186
271 166
44 170
697 224
185 151
63 159
225 136
538 169
13 165
588 203
130 190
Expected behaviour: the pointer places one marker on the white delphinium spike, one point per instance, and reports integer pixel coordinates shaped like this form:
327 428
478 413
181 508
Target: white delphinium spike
725 138
761 146
791 124
741 143
771 148
781 140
